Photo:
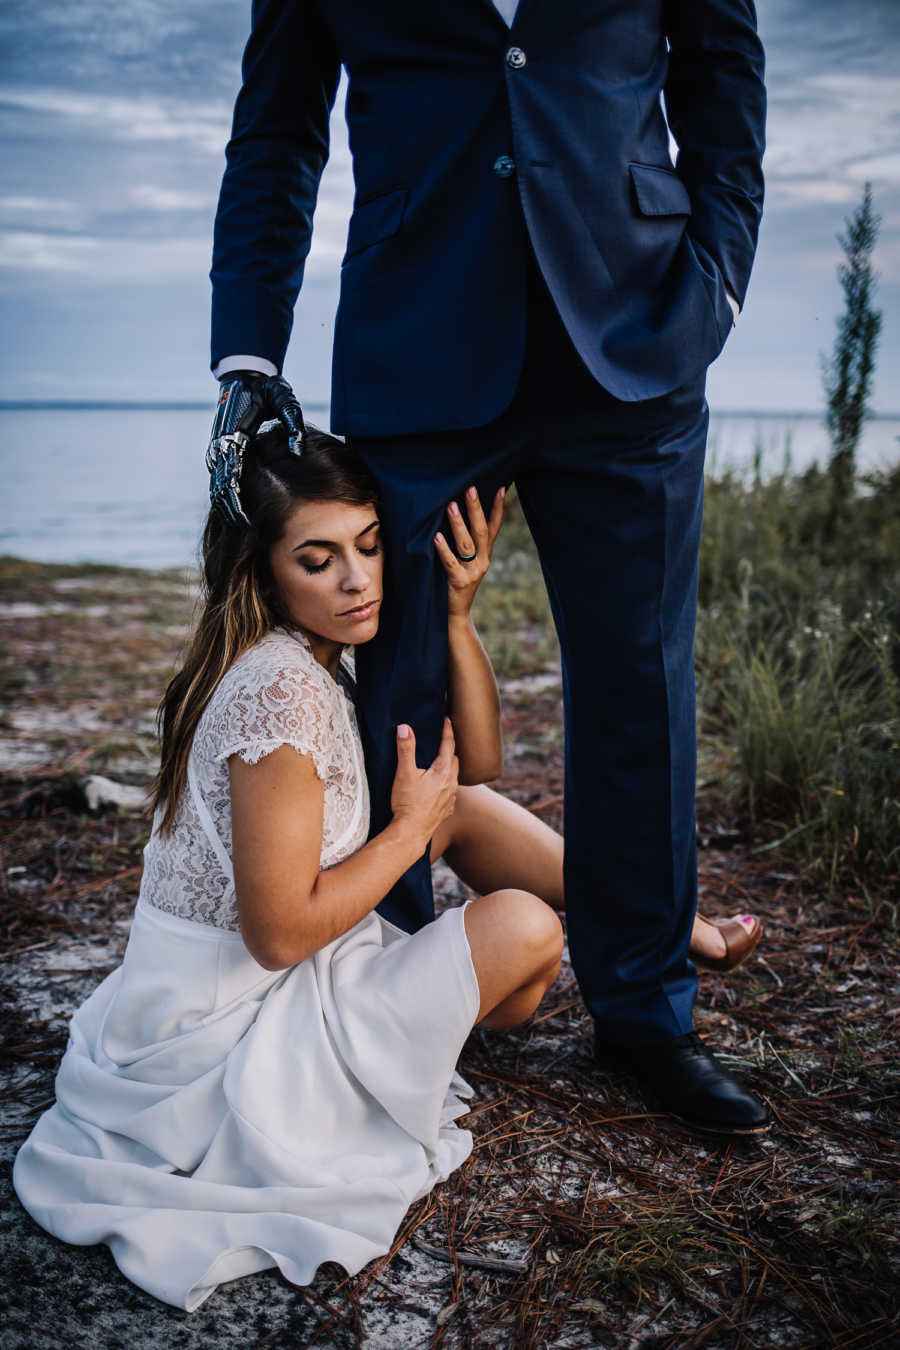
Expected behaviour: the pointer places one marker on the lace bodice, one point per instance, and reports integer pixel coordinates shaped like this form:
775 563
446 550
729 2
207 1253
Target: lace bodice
275 694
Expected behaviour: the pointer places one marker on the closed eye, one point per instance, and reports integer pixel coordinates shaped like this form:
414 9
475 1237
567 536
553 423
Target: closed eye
315 567
370 552
374 548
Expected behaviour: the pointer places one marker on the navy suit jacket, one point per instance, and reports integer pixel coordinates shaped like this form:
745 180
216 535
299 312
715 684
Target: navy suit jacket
460 147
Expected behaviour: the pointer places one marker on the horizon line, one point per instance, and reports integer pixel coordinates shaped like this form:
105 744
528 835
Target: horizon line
195 405
115 404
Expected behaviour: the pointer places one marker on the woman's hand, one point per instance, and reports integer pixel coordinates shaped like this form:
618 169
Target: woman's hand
288 906
474 546
422 798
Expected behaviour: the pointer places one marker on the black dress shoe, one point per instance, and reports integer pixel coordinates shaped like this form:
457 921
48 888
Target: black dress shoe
688 1081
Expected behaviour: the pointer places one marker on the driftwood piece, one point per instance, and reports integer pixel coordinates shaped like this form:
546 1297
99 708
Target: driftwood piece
492 1263
100 792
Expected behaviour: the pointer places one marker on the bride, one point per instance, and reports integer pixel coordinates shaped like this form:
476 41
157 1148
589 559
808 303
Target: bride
269 1077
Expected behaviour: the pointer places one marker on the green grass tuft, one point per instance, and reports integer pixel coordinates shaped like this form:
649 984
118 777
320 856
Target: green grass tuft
798 656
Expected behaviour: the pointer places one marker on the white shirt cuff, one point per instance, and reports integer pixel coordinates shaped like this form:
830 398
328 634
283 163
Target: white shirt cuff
735 307
230 363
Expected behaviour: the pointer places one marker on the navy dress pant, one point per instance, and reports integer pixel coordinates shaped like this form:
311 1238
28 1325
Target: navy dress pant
613 496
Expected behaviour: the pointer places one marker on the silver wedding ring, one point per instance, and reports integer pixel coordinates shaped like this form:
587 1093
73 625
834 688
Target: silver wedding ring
467 557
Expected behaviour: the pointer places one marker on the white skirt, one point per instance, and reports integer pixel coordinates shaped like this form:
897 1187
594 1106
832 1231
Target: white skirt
214 1119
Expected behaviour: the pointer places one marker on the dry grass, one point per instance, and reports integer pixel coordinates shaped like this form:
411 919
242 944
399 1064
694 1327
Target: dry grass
582 1218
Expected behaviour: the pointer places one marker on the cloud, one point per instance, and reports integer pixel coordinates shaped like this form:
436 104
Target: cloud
152 228
114 260
825 191
877 168
36 205
205 125
825 139
152 197
151 45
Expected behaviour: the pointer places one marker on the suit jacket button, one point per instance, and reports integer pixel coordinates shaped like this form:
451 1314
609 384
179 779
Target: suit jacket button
504 166
515 58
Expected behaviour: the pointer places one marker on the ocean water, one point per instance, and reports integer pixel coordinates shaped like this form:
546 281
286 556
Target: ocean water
129 485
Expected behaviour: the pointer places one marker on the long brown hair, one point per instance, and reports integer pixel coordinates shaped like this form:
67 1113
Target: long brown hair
238 602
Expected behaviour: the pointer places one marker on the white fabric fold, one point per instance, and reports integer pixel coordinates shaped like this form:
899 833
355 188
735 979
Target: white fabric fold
284 1118
213 1118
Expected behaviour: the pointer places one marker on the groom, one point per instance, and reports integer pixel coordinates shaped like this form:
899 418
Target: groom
530 292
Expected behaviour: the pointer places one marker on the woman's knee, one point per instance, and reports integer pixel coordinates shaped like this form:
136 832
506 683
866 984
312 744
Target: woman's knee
536 928
515 940
516 943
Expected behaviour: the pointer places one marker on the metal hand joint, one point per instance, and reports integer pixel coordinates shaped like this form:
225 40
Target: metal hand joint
224 459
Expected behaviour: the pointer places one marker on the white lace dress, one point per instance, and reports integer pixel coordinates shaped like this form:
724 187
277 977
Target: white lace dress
214 1118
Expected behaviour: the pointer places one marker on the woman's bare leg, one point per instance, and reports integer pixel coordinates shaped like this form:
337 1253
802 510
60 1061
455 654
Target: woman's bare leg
516 943
493 844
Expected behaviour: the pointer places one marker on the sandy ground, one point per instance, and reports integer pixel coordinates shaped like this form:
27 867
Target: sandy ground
583 1217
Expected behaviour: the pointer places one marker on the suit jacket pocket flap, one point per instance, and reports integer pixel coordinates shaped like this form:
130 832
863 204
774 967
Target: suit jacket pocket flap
659 192
375 219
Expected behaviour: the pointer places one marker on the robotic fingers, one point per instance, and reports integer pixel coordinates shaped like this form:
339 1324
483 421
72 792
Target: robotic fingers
246 400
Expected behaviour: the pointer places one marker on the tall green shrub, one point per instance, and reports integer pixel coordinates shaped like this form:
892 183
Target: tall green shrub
847 374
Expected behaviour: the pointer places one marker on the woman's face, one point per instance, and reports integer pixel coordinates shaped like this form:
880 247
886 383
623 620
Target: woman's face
327 569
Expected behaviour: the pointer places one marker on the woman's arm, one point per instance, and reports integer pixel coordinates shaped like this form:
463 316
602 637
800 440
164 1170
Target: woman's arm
288 908
474 701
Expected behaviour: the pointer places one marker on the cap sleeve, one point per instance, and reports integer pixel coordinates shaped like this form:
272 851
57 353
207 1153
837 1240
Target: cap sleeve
267 703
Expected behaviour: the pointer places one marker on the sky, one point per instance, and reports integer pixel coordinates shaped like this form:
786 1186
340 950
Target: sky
113 123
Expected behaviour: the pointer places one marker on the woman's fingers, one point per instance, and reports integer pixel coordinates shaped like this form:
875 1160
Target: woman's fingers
483 531
452 565
447 747
446 756
477 522
495 520
467 560
465 545
406 747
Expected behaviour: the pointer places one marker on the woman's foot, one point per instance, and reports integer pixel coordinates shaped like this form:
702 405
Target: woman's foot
724 944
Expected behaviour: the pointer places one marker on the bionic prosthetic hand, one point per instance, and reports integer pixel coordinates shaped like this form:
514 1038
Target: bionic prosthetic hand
246 400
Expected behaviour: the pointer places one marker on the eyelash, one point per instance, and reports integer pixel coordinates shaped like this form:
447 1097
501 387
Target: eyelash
320 567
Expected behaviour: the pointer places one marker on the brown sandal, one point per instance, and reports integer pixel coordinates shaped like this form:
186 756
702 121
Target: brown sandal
740 942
